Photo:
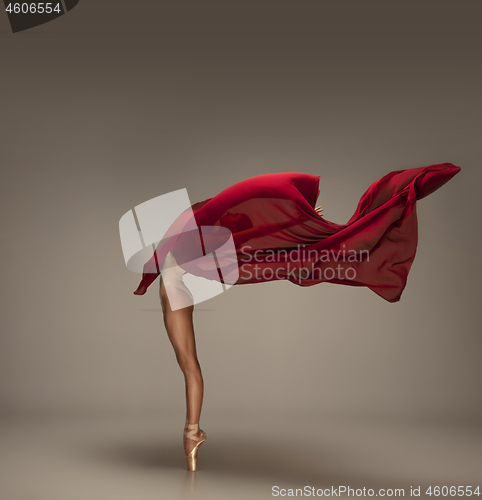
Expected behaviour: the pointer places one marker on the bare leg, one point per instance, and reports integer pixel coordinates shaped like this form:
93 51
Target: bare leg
180 330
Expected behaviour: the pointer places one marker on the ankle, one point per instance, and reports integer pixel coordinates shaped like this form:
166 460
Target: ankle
190 425
192 432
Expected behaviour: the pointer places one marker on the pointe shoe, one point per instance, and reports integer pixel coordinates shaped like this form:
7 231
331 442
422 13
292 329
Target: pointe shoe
189 432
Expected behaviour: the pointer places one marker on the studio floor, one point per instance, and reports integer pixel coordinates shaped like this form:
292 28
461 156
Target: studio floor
244 458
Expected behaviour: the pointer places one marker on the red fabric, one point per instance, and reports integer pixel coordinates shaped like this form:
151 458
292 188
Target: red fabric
275 226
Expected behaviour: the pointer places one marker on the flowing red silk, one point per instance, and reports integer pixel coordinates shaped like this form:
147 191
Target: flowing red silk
278 235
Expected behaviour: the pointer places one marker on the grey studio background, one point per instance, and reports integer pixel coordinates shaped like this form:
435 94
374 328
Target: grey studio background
116 103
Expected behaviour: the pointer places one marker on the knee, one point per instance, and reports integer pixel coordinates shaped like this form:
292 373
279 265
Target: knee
189 366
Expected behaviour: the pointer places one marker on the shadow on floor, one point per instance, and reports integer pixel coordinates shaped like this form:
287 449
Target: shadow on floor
277 463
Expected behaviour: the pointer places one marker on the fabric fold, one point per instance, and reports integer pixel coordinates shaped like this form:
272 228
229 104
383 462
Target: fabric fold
278 235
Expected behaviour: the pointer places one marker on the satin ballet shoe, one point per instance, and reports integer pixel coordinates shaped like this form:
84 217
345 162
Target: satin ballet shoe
189 432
